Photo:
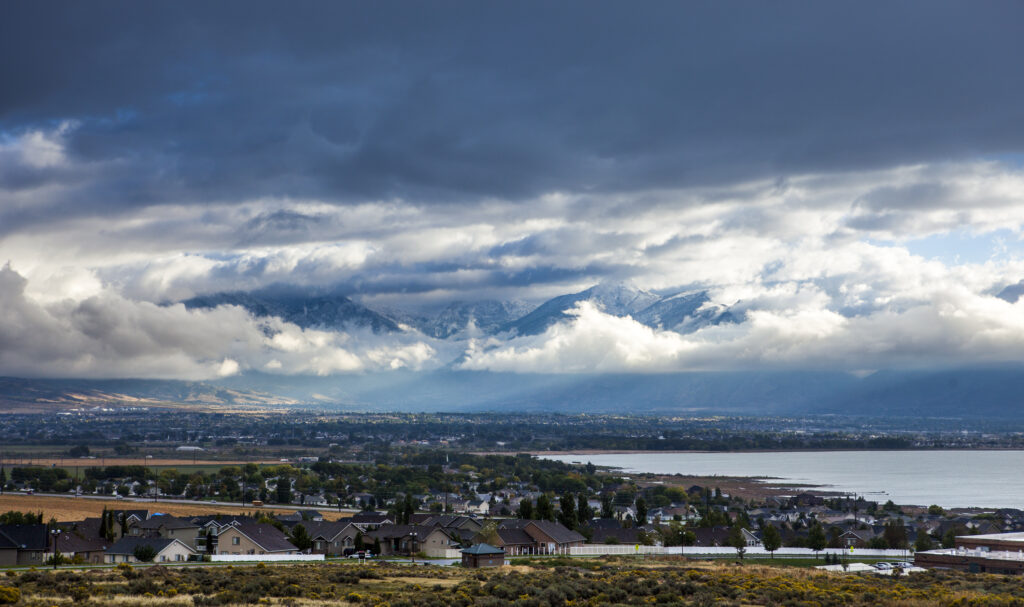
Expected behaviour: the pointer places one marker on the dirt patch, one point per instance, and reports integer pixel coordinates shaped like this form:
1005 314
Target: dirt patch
74 509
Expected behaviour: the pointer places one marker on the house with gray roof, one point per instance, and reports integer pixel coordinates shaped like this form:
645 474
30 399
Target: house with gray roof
166 550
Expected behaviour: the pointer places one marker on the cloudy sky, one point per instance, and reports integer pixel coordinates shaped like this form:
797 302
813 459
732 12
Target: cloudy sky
852 173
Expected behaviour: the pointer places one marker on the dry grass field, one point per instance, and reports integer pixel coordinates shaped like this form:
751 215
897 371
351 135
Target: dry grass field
547 582
71 508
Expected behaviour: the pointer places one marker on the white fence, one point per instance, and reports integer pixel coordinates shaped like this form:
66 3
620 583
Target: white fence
264 558
602 549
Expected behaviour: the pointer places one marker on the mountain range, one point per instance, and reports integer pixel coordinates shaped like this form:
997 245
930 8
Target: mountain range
953 393
684 311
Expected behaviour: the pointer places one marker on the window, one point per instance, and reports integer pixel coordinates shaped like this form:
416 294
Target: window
235 541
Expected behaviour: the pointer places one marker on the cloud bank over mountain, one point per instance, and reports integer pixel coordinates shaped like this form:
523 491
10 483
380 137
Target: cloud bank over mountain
831 187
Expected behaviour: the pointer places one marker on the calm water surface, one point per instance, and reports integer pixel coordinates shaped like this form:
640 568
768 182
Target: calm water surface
993 479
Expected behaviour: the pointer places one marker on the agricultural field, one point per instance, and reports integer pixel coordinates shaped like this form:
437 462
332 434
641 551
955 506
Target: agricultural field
559 581
72 508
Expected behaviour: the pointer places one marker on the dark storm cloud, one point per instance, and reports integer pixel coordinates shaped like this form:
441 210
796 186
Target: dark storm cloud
199 102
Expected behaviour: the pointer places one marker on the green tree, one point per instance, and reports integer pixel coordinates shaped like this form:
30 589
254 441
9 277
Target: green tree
737 540
488 534
923 542
935 509
895 533
284 490
641 511
300 537
525 511
545 511
607 511
949 538
144 553
567 516
772 539
583 510
816 539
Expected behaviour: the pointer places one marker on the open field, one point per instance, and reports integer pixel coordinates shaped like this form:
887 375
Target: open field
71 508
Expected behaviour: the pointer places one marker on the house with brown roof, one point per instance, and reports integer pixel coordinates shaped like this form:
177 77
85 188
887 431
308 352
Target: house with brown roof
545 537
253 538
72 546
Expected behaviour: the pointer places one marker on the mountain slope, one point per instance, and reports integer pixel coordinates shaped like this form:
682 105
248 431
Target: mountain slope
307 309
616 299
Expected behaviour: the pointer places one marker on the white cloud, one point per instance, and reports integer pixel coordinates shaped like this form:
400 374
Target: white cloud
106 335
952 329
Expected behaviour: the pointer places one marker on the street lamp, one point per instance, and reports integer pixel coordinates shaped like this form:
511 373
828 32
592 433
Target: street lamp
412 550
56 553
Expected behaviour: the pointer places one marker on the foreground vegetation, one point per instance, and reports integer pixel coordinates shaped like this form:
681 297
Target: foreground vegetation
540 582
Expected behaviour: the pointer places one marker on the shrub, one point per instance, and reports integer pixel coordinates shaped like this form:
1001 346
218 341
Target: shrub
9 595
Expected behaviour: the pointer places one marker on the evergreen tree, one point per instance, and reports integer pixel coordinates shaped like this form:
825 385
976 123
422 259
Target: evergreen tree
583 510
606 505
545 511
737 540
772 539
3 479
567 516
284 490
895 533
300 537
526 509
923 542
641 511
816 539
408 509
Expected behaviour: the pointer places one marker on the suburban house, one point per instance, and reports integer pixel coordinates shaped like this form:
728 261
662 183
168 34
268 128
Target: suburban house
439 541
170 527
23 544
465 527
712 536
480 507
370 520
167 550
750 537
253 538
545 537
410 539
483 555
71 545
124 520
332 538
616 535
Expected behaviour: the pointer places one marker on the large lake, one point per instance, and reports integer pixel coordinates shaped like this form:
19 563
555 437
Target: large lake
991 479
